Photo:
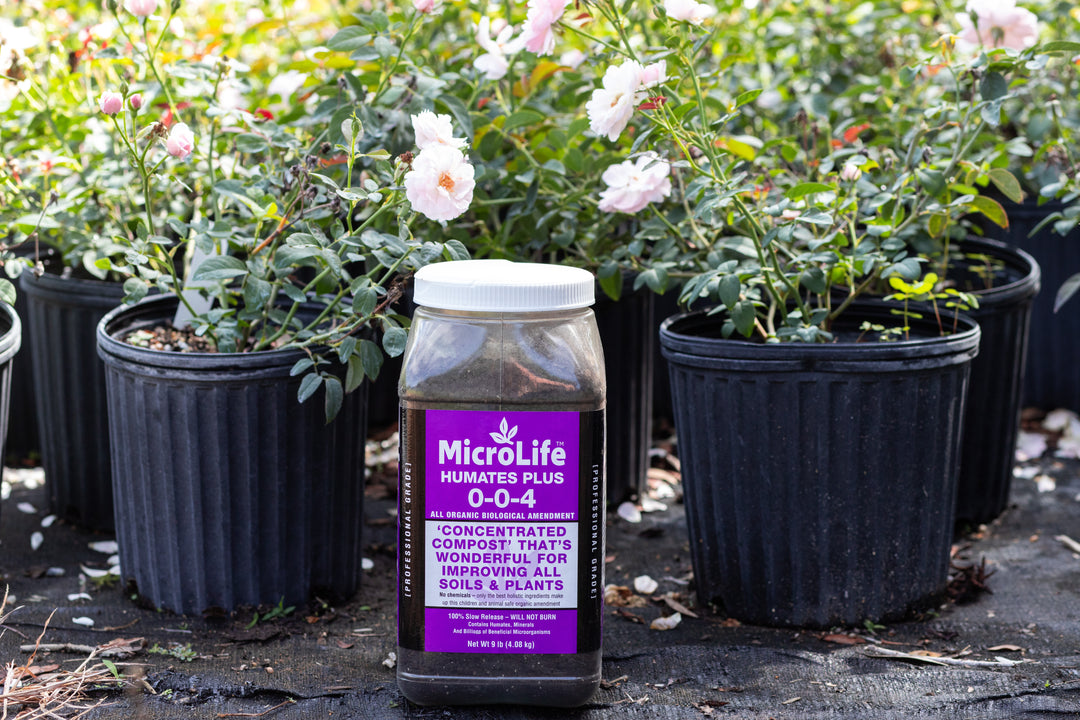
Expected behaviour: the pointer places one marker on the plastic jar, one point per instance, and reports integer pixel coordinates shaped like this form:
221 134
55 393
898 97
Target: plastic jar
501 497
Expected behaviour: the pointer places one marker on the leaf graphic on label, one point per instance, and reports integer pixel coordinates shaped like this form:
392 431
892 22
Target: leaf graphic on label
505 433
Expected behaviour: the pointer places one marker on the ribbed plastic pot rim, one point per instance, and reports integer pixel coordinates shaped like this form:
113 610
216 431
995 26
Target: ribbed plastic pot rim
152 311
106 293
1016 258
677 337
11 327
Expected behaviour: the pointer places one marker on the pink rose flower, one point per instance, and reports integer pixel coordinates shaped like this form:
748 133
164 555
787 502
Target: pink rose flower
432 129
181 141
850 172
654 74
494 63
440 183
425 6
135 101
111 102
537 33
611 107
998 24
633 184
141 8
688 11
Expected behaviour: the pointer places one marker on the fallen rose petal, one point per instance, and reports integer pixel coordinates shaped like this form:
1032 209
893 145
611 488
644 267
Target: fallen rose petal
27 508
72 597
109 547
1045 483
1058 420
1030 446
390 661
649 505
48 520
367 564
35 540
666 623
84 621
645 585
629 512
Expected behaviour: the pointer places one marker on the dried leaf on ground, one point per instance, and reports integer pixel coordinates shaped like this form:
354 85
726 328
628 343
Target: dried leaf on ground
622 596
627 615
671 599
843 639
1005 648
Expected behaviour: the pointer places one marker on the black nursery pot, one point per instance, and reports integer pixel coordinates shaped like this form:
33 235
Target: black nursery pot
10 341
1051 379
22 438
627 332
62 314
997 377
228 491
819 480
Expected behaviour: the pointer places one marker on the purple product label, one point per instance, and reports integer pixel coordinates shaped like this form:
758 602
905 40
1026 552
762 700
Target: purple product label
500 631
485 465
501 545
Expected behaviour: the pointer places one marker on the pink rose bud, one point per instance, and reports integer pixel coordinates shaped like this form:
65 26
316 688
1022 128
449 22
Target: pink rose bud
850 172
181 141
135 101
141 8
111 102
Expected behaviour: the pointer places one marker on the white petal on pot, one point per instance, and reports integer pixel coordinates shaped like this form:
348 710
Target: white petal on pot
1045 483
645 585
629 512
84 621
48 520
666 623
35 540
109 547
25 507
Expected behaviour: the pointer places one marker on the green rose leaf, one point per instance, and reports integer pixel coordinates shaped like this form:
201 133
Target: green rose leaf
808 188
372 358
308 386
335 394
1066 291
1007 183
349 39
7 291
393 341
992 209
743 316
219 267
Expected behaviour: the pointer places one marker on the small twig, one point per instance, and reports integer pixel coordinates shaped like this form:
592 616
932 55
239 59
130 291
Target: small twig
280 705
1068 542
881 652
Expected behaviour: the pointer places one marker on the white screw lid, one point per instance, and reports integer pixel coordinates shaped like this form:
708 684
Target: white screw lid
502 286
